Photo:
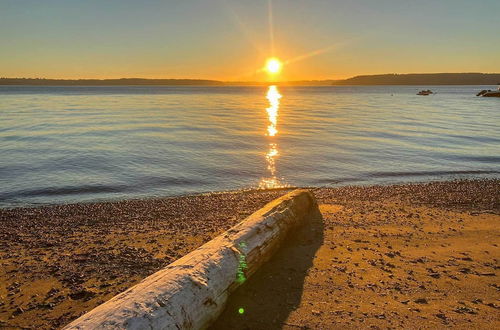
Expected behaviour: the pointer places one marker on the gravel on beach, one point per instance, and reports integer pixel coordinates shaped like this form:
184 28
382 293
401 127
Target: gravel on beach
413 256
61 261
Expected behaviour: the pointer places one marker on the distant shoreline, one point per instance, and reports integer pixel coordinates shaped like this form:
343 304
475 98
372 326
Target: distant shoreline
416 79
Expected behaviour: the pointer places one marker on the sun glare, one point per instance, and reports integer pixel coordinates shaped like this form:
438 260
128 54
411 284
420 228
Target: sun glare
273 66
273 96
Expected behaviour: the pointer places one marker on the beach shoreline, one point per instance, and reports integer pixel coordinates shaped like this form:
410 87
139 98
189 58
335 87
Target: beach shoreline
63 260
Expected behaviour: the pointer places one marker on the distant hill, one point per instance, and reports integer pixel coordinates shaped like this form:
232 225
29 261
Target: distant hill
381 79
106 82
424 79
150 82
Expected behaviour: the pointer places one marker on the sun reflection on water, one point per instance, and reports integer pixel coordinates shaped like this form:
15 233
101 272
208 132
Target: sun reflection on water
273 97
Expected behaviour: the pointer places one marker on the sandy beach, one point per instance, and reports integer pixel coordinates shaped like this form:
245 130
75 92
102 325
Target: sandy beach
413 256
60 261
417 256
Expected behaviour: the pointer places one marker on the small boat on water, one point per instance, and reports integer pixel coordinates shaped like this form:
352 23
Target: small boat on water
425 92
489 92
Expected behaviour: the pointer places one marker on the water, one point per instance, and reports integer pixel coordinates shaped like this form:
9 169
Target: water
72 144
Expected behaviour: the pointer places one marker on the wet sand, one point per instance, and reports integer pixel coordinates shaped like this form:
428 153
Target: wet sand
413 256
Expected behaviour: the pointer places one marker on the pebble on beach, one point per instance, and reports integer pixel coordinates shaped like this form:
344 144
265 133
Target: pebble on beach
412 255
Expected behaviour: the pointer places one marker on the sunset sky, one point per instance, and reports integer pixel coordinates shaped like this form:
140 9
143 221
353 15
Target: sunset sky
231 39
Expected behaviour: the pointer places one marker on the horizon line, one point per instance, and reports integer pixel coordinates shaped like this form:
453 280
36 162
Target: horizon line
249 81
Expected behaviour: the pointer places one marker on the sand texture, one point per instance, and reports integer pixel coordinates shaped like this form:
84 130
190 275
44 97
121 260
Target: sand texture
409 256
412 256
60 261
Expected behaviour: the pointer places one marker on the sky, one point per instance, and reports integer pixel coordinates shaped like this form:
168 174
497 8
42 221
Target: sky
231 39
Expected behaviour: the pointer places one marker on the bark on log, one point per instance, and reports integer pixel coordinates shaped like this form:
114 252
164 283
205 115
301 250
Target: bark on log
191 292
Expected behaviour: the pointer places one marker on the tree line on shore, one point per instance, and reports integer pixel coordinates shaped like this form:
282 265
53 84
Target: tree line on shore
381 79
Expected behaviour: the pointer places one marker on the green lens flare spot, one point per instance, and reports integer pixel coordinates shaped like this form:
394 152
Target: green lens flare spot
241 310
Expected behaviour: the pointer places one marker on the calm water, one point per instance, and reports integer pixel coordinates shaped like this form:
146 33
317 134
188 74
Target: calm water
70 144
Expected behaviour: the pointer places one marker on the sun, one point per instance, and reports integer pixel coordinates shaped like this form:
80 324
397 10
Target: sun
273 65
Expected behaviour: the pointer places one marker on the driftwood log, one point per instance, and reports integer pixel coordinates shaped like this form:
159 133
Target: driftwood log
191 292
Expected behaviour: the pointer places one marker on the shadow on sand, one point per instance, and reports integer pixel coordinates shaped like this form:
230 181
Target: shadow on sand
272 293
